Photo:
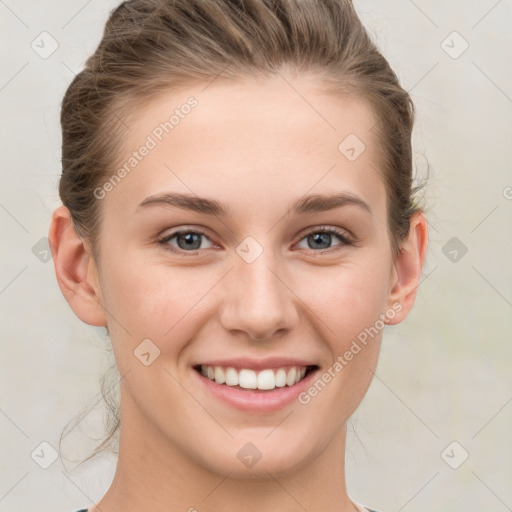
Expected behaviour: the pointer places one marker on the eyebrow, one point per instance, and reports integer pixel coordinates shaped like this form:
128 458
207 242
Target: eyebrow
310 204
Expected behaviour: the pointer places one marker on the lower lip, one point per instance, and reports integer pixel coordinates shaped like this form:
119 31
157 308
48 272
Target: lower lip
256 400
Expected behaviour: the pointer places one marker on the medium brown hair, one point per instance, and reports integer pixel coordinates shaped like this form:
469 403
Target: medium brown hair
150 46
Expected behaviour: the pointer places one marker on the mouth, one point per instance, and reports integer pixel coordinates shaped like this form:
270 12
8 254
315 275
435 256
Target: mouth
265 380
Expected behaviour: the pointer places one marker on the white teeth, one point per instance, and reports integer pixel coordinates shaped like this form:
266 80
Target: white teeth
220 377
266 380
231 377
290 377
281 378
249 379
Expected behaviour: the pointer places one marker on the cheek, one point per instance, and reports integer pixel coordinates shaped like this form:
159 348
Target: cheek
349 305
345 300
149 301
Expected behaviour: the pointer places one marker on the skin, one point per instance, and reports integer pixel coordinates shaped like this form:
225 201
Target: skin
256 147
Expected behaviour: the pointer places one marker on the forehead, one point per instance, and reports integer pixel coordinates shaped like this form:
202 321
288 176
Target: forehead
249 141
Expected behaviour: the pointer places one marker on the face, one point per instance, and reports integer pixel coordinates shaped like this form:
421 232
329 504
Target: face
263 274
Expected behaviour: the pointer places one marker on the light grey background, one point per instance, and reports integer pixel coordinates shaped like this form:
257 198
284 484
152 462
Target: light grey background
444 375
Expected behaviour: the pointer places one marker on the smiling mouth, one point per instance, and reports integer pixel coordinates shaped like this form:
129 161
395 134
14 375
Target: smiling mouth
247 379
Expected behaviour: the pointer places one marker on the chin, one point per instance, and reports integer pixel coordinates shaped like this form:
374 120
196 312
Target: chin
250 462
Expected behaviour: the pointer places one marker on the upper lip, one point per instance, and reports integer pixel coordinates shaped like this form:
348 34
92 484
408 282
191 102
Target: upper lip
257 364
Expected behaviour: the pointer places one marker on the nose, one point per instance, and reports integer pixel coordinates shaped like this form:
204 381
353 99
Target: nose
258 300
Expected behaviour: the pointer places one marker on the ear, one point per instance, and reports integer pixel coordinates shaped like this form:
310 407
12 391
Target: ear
75 269
407 269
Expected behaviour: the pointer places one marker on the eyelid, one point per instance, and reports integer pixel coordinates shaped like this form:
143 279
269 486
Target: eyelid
343 233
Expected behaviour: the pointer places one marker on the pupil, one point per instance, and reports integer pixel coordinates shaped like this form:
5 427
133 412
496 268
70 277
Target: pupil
190 238
317 238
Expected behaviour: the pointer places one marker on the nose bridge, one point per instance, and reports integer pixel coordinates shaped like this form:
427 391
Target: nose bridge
258 301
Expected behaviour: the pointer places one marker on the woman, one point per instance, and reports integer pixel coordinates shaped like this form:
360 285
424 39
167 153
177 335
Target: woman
238 211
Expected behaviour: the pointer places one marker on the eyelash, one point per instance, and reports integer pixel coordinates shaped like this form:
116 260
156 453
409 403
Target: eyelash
320 229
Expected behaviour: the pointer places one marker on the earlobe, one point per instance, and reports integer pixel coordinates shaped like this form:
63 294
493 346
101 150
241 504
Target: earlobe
75 269
407 268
